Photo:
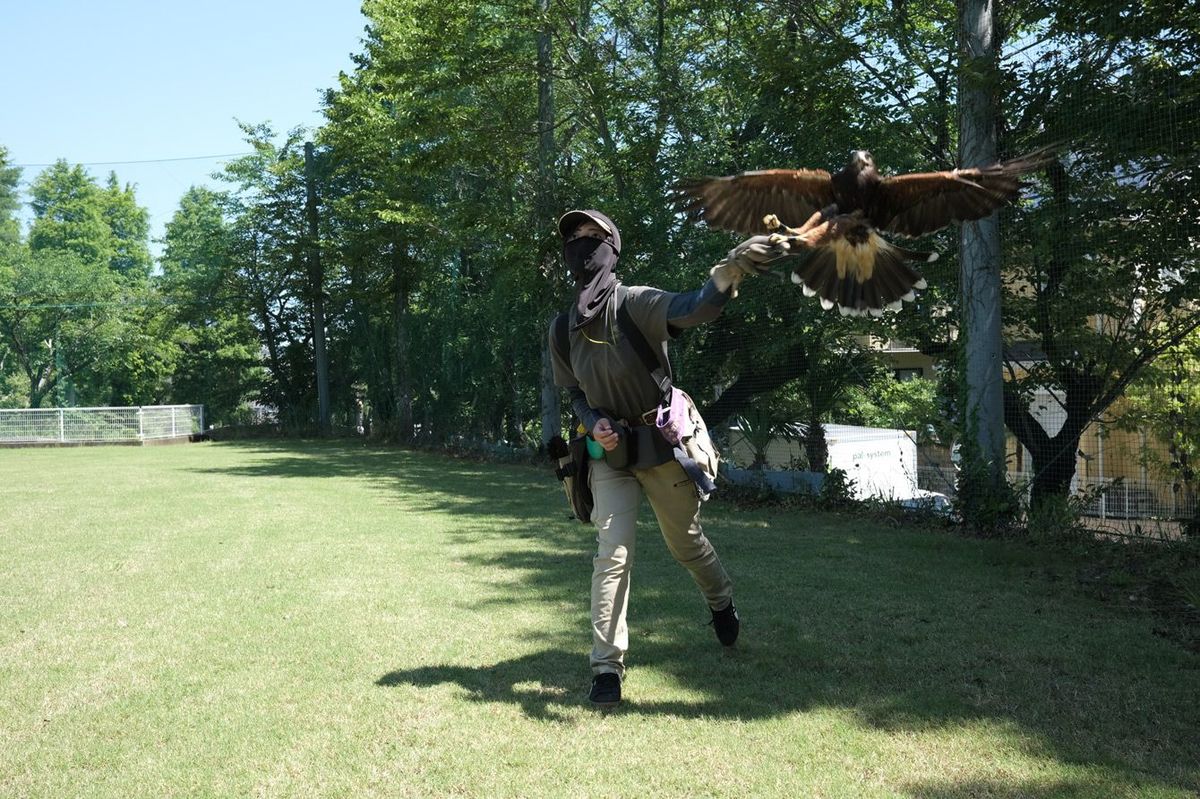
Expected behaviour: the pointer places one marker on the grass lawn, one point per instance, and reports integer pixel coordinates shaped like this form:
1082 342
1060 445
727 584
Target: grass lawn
322 619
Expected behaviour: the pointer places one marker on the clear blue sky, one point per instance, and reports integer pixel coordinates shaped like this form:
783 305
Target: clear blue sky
134 80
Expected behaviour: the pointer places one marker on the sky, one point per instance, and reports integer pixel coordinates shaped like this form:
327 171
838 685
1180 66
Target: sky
133 80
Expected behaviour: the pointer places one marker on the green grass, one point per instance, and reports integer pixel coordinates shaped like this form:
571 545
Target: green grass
320 619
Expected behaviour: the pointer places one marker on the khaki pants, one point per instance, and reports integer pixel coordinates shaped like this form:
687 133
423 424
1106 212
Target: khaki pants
673 497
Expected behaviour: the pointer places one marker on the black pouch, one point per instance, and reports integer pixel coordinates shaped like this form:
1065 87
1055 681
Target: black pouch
624 455
651 448
572 471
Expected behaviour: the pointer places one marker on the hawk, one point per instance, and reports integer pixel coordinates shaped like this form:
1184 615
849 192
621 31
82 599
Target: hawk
859 271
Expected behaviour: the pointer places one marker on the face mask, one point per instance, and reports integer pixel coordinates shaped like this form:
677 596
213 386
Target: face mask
577 253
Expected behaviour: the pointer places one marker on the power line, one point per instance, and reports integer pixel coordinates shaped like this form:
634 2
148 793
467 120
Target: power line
144 161
106 304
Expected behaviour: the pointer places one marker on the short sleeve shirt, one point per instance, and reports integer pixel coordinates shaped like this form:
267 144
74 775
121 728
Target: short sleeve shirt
604 365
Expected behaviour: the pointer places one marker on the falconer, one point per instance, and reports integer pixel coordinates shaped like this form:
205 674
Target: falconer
611 391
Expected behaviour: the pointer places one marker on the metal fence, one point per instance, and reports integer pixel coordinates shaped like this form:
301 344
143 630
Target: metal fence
99 425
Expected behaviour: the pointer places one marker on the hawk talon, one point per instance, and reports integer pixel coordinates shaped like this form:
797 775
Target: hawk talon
780 231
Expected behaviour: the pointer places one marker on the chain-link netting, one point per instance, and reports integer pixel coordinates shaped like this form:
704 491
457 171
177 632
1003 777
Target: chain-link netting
1101 355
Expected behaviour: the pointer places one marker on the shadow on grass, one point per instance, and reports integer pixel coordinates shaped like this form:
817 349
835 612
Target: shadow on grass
420 480
1099 788
906 631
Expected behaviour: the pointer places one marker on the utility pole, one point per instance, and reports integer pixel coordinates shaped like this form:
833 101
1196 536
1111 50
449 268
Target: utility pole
550 399
979 255
316 282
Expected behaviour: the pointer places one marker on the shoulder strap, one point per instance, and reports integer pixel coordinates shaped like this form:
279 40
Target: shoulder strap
637 340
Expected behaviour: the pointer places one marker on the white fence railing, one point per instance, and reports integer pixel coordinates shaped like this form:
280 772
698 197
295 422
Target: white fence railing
99 425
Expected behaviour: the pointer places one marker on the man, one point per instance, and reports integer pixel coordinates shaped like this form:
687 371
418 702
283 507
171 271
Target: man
612 393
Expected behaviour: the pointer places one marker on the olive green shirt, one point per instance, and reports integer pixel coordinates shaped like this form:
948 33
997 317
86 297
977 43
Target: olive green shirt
603 364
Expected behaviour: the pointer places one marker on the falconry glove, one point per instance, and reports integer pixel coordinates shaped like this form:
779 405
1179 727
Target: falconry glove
748 258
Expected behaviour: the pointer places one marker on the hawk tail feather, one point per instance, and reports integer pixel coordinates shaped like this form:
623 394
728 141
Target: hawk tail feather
870 279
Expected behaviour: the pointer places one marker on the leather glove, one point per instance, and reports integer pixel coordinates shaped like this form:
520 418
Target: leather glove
748 258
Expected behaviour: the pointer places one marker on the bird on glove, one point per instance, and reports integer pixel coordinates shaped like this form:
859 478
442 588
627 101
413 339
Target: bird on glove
754 255
852 266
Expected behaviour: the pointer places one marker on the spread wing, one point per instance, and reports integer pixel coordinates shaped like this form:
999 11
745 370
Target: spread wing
739 202
920 203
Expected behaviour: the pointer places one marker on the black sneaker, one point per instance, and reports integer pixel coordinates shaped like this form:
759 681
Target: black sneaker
606 689
726 623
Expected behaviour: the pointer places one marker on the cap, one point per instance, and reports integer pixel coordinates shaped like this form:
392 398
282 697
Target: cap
573 219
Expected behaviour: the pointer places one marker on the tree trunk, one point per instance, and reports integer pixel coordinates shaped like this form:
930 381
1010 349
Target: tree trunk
816 448
1054 466
1053 458
515 422
36 394
401 379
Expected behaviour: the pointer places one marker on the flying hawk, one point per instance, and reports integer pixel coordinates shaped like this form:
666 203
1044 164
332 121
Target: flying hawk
859 271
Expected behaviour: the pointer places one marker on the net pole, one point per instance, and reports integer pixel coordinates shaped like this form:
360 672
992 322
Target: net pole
979 246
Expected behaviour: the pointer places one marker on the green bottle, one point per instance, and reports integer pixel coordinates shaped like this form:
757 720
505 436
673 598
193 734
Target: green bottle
595 451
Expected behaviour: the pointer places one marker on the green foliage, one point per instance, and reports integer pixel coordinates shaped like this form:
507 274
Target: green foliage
69 214
837 490
106 341
1059 519
1104 279
253 260
987 505
129 227
217 362
218 365
56 319
80 322
902 405
767 419
1165 401
10 199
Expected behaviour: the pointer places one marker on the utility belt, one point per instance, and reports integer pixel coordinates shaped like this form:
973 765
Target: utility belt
646 445
639 445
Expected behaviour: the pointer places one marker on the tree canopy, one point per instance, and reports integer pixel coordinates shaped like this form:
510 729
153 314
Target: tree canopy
463 130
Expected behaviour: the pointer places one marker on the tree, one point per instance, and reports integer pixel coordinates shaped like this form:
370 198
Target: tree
983 478
10 199
1106 277
1165 402
69 214
902 405
218 361
129 228
265 252
435 222
56 319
